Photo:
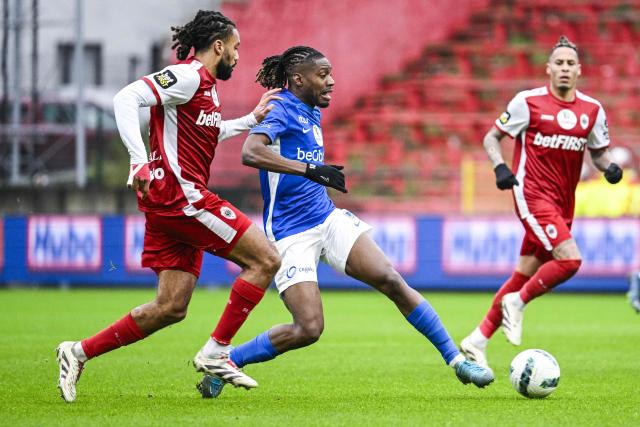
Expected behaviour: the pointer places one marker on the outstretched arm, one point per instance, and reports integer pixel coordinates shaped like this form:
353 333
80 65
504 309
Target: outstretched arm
257 154
230 128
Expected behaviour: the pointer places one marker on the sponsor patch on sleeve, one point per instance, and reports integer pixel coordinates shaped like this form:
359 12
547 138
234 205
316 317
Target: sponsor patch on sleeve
165 79
504 117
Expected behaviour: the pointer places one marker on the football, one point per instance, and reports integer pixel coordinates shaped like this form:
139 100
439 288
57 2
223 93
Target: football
534 373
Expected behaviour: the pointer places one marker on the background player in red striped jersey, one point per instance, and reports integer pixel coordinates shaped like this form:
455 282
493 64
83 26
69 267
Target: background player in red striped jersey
183 218
552 126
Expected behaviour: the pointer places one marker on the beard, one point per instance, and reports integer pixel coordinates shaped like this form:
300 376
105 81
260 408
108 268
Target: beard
224 70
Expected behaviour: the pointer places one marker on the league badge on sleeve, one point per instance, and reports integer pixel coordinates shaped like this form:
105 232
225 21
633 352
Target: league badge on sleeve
165 79
504 117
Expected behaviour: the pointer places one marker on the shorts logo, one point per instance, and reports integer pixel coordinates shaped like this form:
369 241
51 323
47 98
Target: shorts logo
227 212
291 271
317 133
566 119
165 79
584 121
551 231
504 117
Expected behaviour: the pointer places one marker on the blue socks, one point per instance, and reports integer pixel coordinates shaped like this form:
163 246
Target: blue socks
257 350
425 319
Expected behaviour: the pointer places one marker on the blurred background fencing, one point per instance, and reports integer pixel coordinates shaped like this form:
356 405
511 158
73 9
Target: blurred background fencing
418 84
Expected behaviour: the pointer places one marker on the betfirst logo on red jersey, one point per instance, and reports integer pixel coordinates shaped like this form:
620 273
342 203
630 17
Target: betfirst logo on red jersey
211 119
562 142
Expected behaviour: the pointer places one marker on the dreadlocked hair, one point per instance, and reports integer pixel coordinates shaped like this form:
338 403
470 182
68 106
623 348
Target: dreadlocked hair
564 41
203 30
275 70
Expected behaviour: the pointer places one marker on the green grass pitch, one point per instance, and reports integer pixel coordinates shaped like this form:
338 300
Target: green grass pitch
369 368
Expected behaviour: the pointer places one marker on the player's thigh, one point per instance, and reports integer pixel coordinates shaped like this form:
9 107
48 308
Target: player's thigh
342 231
305 304
567 249
175 288
300 254
252 248
366 261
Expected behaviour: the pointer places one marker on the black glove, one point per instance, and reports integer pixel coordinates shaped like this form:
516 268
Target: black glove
327 175
505 179
613 174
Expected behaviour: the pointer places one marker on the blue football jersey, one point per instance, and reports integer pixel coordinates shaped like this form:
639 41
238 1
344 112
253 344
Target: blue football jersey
293 203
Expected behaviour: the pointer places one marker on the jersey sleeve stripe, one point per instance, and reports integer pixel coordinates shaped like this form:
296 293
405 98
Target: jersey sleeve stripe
153 89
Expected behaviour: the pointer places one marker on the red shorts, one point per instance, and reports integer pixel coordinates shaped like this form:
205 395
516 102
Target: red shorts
178 242
545 228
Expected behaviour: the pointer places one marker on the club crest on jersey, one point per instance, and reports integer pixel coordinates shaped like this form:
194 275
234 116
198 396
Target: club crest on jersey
584 121
566 119
214 96
504 117
165 79
317 134
551 231
227 212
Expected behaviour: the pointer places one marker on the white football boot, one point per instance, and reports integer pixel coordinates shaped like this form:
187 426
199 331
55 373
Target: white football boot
474 353
223 367
70 370
512 314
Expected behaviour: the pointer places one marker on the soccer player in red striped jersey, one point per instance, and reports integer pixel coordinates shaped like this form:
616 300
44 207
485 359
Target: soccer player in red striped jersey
183 218
552 125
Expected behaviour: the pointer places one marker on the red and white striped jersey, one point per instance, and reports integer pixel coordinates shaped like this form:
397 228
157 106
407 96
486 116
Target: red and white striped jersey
551 136
184 129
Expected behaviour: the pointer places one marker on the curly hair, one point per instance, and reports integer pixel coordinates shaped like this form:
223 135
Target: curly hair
207 27
276 70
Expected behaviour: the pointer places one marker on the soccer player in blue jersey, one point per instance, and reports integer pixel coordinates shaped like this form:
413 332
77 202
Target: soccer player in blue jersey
306 226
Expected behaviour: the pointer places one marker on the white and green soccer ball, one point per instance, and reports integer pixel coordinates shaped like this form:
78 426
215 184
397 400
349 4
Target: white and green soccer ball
534 373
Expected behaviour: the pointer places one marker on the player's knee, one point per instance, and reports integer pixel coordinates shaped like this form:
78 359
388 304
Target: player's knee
390 283
173 312
309 333
570 266
270 263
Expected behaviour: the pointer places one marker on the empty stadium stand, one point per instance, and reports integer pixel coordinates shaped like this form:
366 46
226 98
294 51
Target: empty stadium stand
414 144
411 134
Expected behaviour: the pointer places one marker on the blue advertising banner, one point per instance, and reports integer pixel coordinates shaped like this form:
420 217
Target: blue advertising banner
475 253
609 247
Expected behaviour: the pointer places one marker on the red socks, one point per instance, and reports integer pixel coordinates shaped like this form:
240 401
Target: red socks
244 296
549 275
493 319
123 332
